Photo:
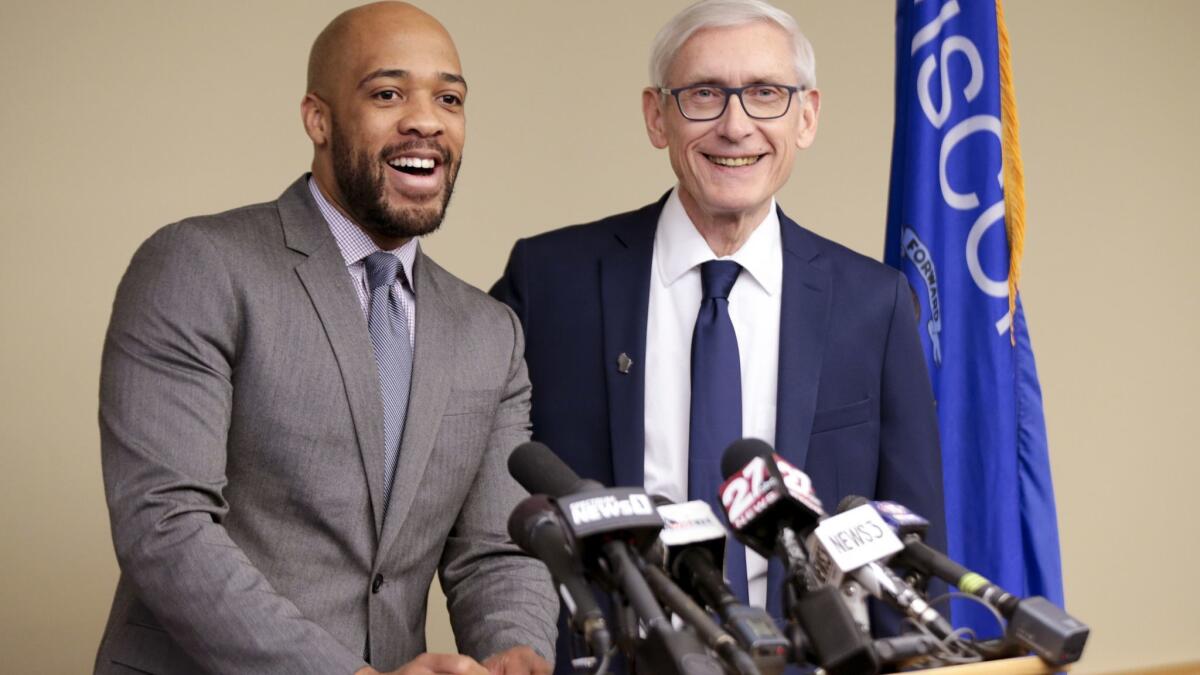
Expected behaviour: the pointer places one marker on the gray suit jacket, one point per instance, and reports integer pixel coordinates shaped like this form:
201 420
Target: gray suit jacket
242 445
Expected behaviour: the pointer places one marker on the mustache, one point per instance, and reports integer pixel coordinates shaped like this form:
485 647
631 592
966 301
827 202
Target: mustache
409 146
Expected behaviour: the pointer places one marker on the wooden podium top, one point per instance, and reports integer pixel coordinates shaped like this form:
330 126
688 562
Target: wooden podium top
1022 665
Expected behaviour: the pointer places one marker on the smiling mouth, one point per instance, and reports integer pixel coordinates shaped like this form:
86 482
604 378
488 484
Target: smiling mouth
733 161
414 166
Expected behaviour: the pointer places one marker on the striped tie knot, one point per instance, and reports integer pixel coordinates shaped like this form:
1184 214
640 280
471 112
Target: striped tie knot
717 278
382 268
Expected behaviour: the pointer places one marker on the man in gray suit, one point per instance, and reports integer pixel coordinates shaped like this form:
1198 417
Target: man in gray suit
303 417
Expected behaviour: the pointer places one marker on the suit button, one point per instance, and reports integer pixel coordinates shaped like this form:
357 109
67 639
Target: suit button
376 583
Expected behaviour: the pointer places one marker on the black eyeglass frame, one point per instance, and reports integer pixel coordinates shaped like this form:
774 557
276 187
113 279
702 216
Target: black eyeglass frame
730 92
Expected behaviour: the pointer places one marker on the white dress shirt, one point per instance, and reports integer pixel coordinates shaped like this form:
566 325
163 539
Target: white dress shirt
754 306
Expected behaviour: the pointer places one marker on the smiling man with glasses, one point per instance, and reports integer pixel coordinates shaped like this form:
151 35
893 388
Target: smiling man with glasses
657 337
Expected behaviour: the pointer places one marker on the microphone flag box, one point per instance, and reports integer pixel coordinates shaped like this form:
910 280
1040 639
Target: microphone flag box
689 523
900 518
857 537
621 513
754 489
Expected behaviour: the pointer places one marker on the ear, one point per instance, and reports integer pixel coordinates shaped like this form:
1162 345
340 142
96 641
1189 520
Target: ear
652 110
315 115
807 120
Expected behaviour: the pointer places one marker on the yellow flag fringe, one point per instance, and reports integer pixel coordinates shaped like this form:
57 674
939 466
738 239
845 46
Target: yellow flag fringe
1014 171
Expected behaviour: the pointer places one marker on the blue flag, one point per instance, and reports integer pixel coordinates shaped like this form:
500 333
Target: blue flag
947 233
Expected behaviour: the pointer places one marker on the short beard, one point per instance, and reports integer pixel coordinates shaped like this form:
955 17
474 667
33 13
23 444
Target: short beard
362 182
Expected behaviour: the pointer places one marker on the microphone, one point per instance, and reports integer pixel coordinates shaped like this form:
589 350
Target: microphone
535 526
1035 624
605 523
850 544
693 539
904 651
770 504
682 605
767 501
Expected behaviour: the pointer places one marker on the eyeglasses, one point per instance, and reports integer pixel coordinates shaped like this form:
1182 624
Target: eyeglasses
706 102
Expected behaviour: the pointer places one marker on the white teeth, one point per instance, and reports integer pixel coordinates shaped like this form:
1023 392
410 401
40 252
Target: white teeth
412 162
733 161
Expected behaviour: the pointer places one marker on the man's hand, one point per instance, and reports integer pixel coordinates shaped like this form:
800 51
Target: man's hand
517 661
440 664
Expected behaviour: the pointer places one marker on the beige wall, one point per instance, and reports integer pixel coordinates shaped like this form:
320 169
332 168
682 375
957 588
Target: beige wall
119 117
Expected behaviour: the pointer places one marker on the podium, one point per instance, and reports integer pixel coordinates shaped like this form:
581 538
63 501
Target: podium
1021 665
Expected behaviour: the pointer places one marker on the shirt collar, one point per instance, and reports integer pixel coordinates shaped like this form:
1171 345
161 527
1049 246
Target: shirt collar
354 244
679 247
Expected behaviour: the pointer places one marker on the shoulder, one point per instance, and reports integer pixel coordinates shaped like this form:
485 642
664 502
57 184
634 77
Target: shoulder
845 265
472 307
589 239
228 235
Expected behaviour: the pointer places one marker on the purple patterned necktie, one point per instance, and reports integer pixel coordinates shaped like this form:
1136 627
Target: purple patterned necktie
388 325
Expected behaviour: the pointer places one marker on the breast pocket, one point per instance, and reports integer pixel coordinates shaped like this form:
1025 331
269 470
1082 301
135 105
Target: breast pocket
841 417
843 450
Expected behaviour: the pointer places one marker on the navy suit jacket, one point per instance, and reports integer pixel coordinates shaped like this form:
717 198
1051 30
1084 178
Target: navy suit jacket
854 408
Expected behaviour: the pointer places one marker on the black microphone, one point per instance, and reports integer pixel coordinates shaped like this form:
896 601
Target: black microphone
604 522
682 605
769 510
693 539
1035 624
535 526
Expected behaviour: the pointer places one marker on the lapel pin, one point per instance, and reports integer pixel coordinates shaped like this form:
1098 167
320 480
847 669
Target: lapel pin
624 363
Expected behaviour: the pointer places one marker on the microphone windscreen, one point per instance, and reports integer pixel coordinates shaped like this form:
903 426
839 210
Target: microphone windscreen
523 514
851 502
740 452
540 471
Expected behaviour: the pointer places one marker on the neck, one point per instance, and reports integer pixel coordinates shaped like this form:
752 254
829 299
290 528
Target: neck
328 187
724 233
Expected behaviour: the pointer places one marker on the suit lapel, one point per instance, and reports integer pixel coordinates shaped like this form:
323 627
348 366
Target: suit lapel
624 300
323 274
433 359
803 324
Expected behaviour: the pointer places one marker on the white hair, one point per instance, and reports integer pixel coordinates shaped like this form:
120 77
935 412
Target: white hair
725 14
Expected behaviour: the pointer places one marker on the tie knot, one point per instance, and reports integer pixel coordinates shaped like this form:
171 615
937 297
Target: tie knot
717 278
382 268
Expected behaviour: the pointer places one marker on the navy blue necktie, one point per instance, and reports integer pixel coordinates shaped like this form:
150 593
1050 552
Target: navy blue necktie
716 415
388 323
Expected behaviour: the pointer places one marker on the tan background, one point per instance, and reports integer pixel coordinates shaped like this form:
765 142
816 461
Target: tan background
119 117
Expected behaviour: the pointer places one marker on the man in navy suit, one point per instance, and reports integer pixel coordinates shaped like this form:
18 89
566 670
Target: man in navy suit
646 362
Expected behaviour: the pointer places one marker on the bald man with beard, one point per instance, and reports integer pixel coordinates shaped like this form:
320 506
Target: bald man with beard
303 417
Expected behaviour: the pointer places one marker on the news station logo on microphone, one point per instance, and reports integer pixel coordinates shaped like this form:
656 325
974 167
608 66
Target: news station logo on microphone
626 510
689 522
849 540
755 488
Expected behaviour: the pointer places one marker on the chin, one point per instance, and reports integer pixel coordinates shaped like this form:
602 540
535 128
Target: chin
733 205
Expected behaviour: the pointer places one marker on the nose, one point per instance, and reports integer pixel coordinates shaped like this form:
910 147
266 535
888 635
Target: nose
421 118
734 124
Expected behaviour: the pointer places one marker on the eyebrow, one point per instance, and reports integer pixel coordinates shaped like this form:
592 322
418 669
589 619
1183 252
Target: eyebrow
719 81
400 73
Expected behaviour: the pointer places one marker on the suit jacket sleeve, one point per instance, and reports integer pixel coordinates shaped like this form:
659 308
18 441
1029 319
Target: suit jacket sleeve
166 388
484 575
910 469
